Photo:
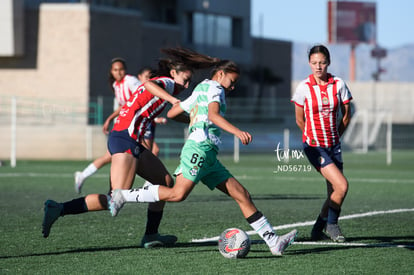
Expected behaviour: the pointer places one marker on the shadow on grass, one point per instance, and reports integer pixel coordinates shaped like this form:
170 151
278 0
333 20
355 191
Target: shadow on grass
72 251
256 197
107 248
406 242
210 246
288 197
385 239
369 242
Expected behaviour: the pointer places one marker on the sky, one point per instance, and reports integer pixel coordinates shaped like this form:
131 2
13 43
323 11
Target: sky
305 21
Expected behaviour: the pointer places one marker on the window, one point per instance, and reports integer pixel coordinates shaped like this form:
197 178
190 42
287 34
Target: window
214 30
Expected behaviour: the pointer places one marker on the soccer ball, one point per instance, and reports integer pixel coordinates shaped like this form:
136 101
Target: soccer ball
234 243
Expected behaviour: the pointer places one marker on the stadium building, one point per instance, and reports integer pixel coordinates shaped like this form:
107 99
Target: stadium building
54 62
57 56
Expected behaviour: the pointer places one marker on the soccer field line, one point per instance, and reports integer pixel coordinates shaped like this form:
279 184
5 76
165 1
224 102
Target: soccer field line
47 175
351 179
282 177
285 226
308 223
356 244
240 177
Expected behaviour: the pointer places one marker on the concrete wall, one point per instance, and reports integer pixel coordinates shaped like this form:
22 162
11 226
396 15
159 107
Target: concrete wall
54 131
68 48
397 98
53 91
11 28
61 70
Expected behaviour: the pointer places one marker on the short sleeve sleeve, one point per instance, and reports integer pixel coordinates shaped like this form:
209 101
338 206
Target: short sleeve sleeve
346 95
187 104
300 95
133 83
215 94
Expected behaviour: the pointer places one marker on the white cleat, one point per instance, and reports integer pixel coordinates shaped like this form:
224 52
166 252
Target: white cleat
116 202
78 181
283 242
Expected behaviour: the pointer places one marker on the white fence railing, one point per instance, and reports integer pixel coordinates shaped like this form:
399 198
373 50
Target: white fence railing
36 129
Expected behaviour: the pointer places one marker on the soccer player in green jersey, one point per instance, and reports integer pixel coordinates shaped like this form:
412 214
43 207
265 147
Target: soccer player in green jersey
206 108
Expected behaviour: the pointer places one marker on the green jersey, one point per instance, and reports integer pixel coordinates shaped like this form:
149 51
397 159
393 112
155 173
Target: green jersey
201 129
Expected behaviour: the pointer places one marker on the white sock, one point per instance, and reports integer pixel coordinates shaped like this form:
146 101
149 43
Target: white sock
265 231
146 183
130 195
89 170
148 194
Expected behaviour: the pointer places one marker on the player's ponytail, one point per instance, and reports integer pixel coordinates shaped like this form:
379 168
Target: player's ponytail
182 59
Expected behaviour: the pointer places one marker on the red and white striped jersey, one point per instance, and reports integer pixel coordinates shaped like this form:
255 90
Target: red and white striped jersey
321 105
124 89
141 108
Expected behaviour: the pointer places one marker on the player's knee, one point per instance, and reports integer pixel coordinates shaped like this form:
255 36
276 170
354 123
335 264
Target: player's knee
342 188
345 189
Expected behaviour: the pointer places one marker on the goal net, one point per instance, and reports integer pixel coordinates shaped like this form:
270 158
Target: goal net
370 130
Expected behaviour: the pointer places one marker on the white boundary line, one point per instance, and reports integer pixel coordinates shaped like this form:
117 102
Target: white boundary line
285 226
356 244
251 232
102 175
307 223
47 175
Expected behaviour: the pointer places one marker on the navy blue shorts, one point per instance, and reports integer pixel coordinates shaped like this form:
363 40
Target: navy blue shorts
121 142
320 157
150 131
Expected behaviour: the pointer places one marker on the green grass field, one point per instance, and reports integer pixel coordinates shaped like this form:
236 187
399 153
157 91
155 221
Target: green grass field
96 243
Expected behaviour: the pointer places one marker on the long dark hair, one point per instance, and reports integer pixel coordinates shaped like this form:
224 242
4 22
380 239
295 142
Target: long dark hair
182 59
320 49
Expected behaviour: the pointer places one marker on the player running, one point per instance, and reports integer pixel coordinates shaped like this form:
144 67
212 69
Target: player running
207 107
129 156
123 86
318 100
